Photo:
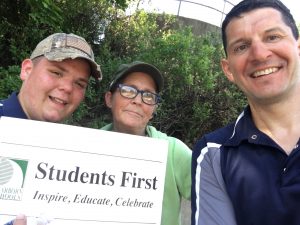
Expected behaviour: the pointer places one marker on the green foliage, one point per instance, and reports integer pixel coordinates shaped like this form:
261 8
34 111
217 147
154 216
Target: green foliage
9 81
45 12
22 25
197 97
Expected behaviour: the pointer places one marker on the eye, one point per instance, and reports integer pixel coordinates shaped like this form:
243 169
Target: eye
241 48
128 91
273 38
81 85
149 96
56 73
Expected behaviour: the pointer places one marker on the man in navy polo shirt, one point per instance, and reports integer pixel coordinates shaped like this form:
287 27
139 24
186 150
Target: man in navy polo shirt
249 171
55 78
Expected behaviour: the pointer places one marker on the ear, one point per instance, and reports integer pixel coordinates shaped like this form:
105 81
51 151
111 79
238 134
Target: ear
226 70
26 68
108 99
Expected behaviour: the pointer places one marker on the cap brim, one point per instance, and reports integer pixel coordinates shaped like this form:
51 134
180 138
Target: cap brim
146 68
60 56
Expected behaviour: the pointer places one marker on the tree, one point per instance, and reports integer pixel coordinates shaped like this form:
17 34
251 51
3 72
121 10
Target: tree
197 97
194 82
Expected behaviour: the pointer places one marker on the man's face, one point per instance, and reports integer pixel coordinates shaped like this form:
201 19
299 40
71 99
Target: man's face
263 56
51 91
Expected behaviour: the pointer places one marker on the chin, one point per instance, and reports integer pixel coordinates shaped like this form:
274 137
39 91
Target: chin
53 119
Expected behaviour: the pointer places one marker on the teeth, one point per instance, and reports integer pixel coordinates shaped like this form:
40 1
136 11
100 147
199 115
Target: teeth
265 72
59 100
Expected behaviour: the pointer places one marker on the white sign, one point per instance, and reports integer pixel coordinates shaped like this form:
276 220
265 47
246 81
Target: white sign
75 175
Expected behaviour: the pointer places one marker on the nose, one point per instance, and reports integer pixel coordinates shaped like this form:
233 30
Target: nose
259 51
66 85
138 99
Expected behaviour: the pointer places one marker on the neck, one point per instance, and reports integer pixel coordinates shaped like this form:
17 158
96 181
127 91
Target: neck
280 121
129 130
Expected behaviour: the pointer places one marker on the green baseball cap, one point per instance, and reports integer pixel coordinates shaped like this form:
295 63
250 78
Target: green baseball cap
60 46
138 66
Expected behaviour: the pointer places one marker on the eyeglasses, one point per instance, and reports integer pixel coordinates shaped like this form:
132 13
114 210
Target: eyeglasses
130 92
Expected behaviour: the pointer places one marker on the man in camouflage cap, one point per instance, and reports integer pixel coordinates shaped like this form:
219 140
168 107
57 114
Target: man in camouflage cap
55 78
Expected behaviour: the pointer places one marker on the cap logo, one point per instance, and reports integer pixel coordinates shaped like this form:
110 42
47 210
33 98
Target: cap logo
64 40
57 44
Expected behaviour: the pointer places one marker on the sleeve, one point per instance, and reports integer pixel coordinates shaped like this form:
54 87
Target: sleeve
182 166
210 202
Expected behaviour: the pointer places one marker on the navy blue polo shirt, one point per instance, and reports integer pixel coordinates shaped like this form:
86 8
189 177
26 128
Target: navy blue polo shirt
11 107
262 181
241 176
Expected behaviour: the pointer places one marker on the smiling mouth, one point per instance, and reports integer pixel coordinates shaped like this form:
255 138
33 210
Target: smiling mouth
57 100
265 72
133 113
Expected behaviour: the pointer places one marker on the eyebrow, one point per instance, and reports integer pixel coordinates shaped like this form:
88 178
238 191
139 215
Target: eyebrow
275 29
58 65
240 40
270 30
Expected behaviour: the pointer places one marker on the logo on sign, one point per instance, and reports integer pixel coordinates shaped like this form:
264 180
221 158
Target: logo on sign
12 177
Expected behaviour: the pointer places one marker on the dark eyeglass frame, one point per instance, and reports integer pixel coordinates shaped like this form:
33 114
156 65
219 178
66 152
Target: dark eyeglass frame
137 91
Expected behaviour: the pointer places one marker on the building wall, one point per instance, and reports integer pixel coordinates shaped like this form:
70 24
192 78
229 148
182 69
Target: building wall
198 27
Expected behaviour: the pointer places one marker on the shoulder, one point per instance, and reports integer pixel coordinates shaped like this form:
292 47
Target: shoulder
4 102
107 127
207 149
210 144
230 131
217 137
11 107
154 133
1 107
176 146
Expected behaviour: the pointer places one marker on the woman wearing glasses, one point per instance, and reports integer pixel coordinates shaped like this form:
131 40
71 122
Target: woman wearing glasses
133 97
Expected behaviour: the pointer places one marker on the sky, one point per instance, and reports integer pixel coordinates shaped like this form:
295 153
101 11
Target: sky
209 11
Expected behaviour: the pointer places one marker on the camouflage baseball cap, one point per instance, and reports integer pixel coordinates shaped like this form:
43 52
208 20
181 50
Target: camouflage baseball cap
60 46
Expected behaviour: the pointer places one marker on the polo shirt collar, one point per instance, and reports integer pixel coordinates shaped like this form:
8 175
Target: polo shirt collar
245 130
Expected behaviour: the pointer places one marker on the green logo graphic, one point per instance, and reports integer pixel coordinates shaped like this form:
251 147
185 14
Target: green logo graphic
12 178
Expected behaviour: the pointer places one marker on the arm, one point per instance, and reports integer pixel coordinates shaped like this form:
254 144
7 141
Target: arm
210 202
182 168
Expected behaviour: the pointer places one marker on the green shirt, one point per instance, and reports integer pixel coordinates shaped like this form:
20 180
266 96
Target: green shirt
178 175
